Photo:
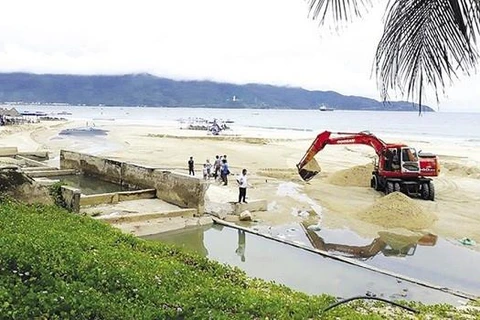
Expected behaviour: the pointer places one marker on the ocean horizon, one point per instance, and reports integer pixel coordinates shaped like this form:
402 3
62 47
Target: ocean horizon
451 125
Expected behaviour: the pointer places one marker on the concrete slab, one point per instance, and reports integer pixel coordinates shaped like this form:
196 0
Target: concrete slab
50 173
115 197
222 209
220 201
29 169
8 151
33 163
140 210
37 155
123 218
160 225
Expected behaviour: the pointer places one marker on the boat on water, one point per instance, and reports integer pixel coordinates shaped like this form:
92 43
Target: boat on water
325 108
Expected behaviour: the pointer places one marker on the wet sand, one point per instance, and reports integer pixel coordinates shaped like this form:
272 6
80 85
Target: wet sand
270 157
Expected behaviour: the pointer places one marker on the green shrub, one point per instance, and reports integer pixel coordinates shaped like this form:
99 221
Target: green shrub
55 265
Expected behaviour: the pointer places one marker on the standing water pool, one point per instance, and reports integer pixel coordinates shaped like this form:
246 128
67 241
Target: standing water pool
296 268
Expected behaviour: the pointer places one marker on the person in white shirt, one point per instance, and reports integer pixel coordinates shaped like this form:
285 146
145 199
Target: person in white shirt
242 186
208 165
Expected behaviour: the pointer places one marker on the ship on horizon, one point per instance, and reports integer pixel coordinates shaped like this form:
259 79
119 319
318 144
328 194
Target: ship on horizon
325 108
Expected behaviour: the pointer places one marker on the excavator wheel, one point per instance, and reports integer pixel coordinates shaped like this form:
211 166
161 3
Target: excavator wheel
389 189
375 184
431 193
396 186
425 192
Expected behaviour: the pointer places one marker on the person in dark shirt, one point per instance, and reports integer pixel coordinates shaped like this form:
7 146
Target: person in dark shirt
191 164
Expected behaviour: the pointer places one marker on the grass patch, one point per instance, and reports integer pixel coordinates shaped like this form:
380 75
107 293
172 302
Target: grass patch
56 265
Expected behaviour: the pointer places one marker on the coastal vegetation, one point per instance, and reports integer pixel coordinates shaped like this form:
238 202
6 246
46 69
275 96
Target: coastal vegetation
57 265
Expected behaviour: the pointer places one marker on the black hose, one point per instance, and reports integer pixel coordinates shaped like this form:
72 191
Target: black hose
370 298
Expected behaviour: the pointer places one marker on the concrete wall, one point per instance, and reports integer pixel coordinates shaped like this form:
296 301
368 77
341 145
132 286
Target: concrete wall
179 189
140 176
105 169
71 196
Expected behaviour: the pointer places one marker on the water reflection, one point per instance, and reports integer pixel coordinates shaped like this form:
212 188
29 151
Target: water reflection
241 245
298 269
190 239
421 256
397 244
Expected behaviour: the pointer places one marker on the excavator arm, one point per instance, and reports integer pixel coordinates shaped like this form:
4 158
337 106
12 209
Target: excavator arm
308 167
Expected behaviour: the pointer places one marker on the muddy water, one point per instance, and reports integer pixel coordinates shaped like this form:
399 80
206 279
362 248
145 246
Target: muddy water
296 268
90 185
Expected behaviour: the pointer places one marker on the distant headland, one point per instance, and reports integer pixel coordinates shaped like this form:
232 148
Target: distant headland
148 90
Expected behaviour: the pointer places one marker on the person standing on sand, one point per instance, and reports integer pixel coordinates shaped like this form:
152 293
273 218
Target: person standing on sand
242 186
205 171
208 165
224 172
191 165
217 165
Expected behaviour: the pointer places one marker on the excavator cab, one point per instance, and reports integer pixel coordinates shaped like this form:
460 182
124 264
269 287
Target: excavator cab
409 160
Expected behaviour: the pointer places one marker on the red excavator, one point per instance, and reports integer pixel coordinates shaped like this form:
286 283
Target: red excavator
397 168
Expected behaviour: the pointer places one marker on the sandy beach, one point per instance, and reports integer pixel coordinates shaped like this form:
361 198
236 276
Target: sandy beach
270 157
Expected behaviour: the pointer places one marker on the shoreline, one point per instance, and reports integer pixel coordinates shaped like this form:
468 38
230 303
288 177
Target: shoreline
271 156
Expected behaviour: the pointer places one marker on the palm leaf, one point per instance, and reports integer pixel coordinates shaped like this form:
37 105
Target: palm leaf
425 42
339 10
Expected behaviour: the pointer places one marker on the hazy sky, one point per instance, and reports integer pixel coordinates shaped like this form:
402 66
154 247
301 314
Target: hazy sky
239 41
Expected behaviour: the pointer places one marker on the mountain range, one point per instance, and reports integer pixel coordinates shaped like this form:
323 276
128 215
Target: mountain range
149 90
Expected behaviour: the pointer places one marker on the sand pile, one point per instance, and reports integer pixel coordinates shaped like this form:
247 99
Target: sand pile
397 210
358 176
462 170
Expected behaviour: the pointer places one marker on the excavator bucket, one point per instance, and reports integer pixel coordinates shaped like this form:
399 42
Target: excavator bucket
309 170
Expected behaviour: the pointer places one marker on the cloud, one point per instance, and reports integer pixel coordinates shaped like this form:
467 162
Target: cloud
266 41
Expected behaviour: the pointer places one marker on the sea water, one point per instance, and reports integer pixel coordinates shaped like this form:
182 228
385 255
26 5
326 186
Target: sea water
462 127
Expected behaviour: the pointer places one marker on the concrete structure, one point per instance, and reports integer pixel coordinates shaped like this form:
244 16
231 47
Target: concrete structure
179 189
115 197
71 196
223 209
13 152
8 151
48 172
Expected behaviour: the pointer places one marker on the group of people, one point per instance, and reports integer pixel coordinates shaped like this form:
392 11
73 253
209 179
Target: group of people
220 170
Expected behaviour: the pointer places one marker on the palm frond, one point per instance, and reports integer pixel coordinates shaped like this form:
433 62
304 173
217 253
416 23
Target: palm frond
425 43
340 10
